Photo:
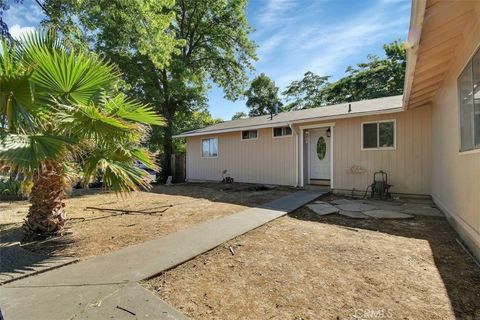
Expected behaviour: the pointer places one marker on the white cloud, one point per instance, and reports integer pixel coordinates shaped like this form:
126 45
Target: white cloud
275 12
16 31
305 42
27 13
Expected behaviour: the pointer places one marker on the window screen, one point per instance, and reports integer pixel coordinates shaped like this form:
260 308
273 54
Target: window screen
249 134
282 131
210 147
378 135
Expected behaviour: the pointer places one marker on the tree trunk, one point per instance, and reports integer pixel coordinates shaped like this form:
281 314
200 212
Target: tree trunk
46 215
167 148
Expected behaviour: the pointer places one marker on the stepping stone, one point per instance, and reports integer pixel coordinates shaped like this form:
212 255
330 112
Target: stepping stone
387 214
353 214
356 206
322 209
341 201
424 211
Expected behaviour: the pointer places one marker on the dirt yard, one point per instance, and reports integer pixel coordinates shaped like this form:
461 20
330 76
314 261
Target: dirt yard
93 232
308 267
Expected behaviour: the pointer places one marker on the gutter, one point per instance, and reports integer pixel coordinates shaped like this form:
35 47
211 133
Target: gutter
287 123
414 34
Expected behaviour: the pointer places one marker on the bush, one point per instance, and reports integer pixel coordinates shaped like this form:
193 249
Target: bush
11 187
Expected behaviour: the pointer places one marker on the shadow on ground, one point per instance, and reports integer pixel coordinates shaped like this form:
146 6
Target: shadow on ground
246 194
458 269
18 261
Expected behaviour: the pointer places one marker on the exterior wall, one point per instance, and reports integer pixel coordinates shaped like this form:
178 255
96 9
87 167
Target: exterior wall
266 160
273 160
456 176
408 166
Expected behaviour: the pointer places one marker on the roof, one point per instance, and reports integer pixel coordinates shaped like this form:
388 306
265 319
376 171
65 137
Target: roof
437 30
338 111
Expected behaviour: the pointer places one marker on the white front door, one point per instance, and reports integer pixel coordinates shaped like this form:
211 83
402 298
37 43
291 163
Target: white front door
319 154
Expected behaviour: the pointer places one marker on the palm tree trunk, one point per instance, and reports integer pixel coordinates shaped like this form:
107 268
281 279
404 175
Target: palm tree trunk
47 215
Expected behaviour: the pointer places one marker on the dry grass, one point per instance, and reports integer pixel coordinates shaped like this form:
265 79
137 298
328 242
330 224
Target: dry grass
94 232
307 267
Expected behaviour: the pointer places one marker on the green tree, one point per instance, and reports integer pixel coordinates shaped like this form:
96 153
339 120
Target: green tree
378 77
191 120
262 96
239 115
58 106
305 93
210 42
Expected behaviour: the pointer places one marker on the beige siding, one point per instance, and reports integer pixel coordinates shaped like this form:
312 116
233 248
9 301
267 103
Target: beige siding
273 160
456 177
408 166
265 160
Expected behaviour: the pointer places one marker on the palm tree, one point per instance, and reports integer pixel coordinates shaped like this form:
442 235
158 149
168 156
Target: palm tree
59 107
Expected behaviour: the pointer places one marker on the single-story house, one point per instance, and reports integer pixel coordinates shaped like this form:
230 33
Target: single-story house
427 140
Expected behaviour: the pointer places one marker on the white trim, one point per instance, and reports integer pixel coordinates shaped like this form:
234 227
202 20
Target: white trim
331 157
282 136
318 125
378 136
467 152
201 147
252 139
296 155
286 123
414 34
459 111
302 143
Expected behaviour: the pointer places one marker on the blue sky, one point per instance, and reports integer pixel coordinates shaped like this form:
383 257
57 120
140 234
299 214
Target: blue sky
294 36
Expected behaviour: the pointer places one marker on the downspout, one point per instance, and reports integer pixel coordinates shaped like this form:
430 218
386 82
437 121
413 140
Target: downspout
290 124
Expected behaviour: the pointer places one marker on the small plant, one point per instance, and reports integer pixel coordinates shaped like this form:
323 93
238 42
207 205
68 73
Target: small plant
11 187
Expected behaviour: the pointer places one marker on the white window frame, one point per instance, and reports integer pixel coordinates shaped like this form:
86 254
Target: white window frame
378 135
250 139
283 135
201 148
475 148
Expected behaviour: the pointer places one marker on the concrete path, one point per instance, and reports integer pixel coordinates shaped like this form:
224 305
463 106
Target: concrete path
16 262
92 289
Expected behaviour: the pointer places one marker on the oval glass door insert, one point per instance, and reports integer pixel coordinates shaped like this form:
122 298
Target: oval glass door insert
321 148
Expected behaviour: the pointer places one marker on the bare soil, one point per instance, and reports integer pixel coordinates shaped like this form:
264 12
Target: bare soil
303 266
94 232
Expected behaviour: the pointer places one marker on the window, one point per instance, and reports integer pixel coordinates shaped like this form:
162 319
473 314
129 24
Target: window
378 135
469 101
249 135
210 148
282 131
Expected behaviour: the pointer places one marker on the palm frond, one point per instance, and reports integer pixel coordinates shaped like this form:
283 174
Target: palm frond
87 122
26 152
16 99
132 110
71 76
119 174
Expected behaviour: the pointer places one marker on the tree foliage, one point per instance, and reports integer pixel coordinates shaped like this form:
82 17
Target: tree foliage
378 77
59 107
239 115
305 93
167 50
375 78
262 96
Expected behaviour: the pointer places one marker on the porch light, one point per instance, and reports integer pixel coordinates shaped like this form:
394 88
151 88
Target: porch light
329 132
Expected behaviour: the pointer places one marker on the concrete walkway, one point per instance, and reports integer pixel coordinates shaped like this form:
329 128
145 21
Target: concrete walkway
105 286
